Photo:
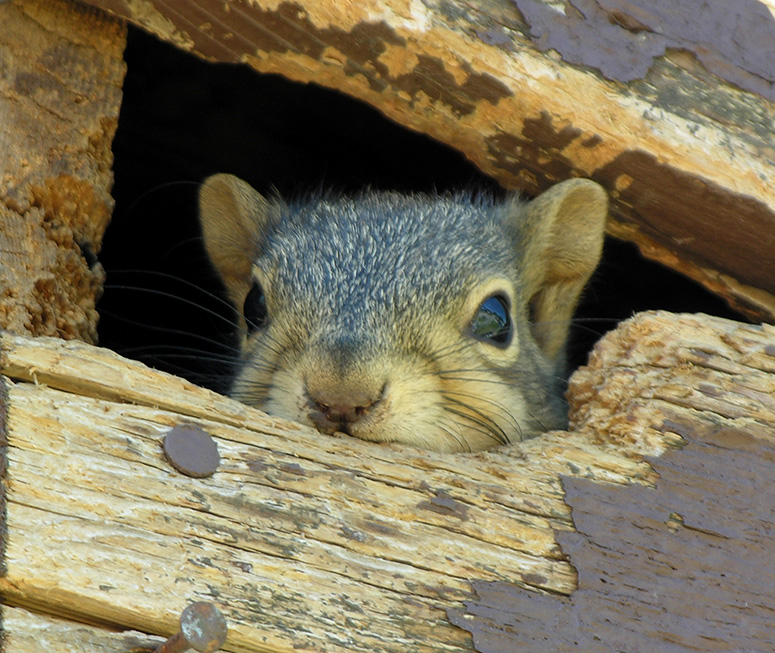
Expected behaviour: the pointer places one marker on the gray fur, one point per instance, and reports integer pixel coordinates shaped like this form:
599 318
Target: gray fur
350 262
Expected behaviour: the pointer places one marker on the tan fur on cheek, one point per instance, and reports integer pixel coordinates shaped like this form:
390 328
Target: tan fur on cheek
410 412
255 381
489 412
287 398
479 406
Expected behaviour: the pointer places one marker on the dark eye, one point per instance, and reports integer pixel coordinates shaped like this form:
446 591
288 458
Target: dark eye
254 309
492 322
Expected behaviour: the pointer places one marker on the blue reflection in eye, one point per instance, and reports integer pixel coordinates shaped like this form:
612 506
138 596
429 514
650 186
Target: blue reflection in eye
492 321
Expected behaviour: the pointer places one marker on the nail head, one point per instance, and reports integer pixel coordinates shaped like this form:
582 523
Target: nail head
191 451
203 626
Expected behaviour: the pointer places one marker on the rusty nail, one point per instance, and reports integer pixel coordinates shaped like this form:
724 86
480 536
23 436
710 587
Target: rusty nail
202 628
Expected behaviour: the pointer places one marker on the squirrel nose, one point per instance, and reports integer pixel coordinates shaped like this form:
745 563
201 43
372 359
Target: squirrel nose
336 410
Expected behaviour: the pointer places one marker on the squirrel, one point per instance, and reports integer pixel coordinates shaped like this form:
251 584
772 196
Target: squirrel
438 321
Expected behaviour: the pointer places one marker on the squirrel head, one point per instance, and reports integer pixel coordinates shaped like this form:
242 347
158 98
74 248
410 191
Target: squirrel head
438 321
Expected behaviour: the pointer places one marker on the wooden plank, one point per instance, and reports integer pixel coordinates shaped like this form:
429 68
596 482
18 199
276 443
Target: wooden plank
311 542
60 93
306 542
24 631
672 116
685 565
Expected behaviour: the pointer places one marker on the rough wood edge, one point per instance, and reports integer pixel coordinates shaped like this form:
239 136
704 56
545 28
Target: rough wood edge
59 100
685 169
624 406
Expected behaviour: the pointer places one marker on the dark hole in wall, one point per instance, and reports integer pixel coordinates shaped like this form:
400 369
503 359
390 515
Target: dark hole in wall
183 119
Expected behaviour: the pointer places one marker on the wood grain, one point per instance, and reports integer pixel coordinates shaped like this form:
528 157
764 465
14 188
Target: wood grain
24 631
319 543
306 542
672 115
60 93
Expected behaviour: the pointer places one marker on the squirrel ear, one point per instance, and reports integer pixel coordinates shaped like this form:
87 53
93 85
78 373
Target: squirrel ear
563 233
233 217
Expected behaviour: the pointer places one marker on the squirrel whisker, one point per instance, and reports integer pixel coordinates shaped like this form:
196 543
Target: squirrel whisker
479 417
479 426
499 408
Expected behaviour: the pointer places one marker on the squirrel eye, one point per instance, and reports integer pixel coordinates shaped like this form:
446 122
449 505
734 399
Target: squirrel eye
492 322
254 309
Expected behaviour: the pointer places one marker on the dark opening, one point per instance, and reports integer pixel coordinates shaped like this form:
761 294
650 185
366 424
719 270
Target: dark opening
183 119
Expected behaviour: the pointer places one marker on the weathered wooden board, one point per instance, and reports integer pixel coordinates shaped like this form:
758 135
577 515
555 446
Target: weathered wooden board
308 543
61 70
27 632
318 543
685 565
674 114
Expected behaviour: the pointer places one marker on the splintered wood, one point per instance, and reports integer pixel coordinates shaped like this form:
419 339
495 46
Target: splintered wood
318 543
307 542
60 92
670 112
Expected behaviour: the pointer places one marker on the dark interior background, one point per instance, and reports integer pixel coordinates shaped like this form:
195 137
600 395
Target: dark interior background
183 119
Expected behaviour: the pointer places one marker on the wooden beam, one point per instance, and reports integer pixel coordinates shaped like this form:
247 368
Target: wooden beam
311 542
305 541
672 116
24 631
59 101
